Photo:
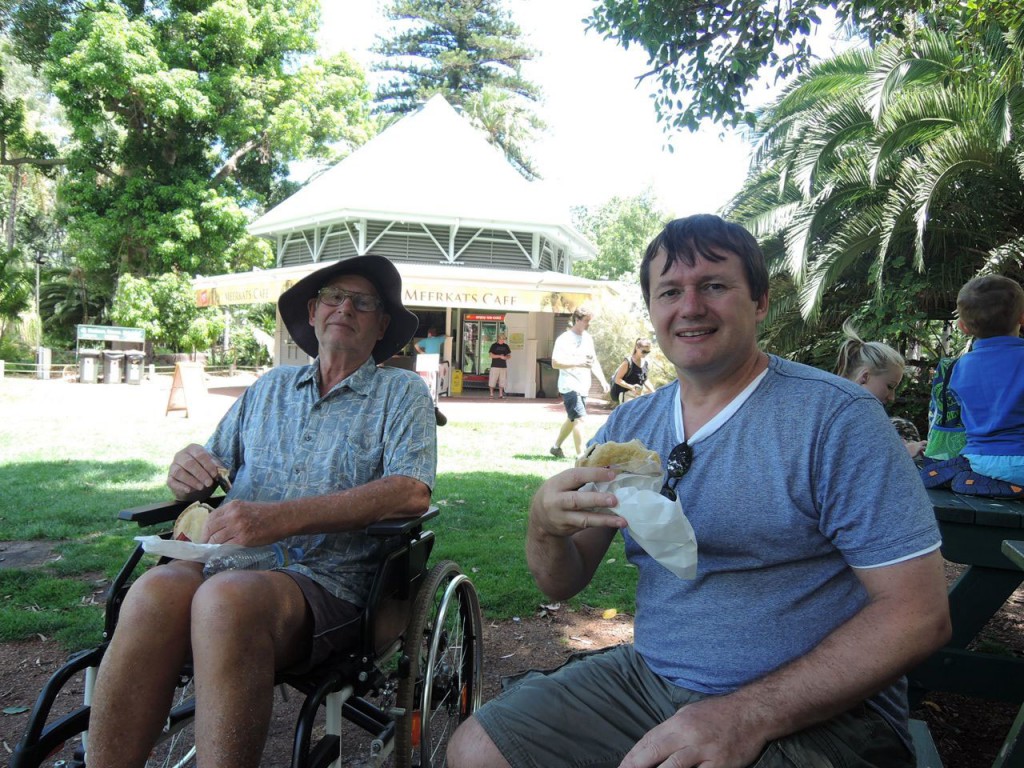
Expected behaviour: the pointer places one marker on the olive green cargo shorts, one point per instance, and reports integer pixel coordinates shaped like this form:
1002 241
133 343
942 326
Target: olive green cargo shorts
590 712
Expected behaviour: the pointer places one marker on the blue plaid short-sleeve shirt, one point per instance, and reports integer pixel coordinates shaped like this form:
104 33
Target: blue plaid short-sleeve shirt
281 440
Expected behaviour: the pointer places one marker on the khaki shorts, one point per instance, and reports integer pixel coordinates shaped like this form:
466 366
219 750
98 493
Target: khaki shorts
591 711
497 377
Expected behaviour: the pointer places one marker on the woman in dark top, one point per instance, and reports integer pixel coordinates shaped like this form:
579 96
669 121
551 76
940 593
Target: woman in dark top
630 379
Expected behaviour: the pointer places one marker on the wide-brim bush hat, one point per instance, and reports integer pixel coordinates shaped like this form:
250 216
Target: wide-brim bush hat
293 304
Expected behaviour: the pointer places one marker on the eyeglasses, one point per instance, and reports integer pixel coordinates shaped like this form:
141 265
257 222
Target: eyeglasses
363 302
645 351
679 461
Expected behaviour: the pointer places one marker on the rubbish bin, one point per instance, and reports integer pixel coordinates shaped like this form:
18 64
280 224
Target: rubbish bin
112 361
88 366
133 366
43 361
547 378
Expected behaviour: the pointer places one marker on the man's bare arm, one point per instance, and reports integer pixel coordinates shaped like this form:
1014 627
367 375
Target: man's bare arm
252 523
566 536
906 619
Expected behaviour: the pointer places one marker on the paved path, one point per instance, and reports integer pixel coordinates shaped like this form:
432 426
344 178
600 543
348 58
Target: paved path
145 405
471 406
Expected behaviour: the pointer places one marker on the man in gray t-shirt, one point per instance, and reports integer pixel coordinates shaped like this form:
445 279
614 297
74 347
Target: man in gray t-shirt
818 584
314 454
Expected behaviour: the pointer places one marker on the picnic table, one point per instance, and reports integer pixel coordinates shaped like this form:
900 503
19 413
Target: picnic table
973 530
1012 752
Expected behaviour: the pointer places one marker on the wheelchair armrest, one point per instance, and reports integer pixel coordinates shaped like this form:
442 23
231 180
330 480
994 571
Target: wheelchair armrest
399 526
160 512
166 511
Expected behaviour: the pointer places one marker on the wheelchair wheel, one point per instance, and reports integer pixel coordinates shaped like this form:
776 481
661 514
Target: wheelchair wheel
176 747
442 667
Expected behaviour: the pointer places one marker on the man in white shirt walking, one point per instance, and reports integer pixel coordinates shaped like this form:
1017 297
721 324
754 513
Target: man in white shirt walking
575 359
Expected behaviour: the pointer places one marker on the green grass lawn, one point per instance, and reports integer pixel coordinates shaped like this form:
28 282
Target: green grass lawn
67 465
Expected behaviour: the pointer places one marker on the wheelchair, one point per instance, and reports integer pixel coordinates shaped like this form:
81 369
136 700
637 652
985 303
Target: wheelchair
415 675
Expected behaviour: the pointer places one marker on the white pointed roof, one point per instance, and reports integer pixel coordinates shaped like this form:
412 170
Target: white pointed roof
431 166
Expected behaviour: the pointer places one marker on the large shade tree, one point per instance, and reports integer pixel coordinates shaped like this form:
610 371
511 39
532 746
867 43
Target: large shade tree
707 57
30 123
471 52
184 117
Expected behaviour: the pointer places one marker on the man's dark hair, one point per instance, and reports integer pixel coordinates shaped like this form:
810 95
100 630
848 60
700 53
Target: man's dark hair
707 237
991 306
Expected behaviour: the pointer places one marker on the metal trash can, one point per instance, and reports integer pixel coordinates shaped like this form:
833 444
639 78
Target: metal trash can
547 378
88 366
43 361
112 361
133 366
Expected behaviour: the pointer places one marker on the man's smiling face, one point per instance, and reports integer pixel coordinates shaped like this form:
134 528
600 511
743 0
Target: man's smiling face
703 315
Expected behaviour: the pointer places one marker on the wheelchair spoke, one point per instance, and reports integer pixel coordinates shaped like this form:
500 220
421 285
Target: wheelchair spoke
443 649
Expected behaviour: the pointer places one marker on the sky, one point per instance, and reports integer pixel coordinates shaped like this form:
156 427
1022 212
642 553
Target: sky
603 139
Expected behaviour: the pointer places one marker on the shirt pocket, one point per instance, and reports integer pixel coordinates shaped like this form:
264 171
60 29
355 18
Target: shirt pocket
361 459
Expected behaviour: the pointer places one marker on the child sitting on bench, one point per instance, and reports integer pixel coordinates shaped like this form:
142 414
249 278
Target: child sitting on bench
988 382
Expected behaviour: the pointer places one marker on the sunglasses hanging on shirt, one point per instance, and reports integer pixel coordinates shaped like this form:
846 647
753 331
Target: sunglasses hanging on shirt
679 461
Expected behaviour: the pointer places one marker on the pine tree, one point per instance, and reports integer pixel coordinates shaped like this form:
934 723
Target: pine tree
470 51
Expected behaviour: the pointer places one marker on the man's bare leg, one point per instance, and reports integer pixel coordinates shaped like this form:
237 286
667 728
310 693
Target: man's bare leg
471 747
245 625
577 435
136 680
563 432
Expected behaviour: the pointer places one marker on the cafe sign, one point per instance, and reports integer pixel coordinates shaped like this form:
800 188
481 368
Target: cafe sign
417 293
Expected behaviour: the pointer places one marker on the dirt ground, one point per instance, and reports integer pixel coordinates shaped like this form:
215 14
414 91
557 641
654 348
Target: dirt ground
541 641
968 732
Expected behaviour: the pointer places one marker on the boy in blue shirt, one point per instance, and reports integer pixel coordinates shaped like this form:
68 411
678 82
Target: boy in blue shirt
988 382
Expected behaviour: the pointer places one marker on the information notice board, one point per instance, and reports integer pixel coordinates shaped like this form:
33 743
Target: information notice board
187 388
110 333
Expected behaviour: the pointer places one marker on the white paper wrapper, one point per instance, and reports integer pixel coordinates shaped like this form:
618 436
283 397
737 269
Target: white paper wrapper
656 523
185 550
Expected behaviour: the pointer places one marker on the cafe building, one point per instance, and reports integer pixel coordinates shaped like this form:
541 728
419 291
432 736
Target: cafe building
481 250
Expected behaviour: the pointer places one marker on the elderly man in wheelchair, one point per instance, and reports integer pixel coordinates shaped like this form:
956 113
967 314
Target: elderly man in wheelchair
331 467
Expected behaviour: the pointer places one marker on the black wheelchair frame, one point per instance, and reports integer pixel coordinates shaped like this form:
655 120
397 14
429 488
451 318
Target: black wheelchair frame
416 674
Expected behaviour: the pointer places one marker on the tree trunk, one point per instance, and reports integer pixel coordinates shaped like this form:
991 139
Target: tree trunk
12 207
